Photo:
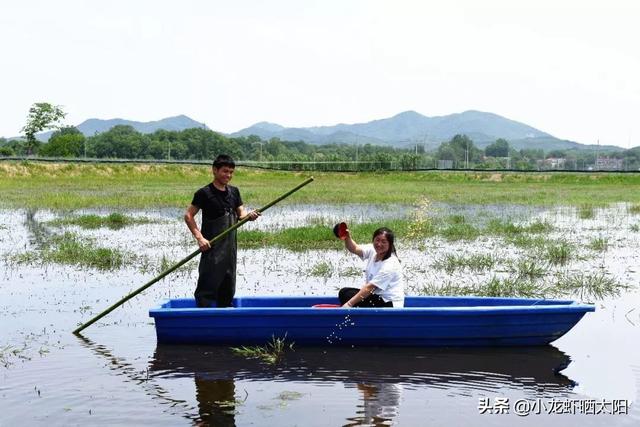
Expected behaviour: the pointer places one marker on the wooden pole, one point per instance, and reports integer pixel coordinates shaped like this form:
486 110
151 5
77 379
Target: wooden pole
185 260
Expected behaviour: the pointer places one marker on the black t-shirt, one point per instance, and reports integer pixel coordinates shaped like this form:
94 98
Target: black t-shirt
214 203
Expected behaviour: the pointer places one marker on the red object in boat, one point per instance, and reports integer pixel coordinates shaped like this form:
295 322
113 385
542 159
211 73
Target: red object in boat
326 306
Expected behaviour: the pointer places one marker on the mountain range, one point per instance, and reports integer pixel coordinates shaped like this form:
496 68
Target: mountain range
403 130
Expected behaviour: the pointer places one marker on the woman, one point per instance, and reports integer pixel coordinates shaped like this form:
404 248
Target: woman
383 274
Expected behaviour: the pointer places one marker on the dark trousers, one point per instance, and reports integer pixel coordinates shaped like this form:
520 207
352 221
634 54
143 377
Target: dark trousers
372 300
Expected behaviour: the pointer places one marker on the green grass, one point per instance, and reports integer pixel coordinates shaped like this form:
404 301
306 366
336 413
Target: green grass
529 269
599 244
271 353
113 221
495 287
475 263
586 211
507 228
321 269
588 285
634 209
71 249
74 186
558 253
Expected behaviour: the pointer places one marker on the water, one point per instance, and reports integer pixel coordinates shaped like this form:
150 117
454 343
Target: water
117 375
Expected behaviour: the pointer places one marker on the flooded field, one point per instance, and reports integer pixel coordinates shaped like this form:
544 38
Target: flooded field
57 271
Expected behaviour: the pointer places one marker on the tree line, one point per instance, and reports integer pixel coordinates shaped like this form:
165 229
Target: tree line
124 142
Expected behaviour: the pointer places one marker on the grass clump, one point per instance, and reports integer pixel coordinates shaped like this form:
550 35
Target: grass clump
321 269
589 285
635 228
459 231
508 228
559 253
634 209
271 353
509 287
476 263
113 221
70 249
599 244
530 269
586 211
495 287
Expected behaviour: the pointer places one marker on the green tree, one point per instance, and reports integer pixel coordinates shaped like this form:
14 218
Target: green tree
500 148
42 116
65 142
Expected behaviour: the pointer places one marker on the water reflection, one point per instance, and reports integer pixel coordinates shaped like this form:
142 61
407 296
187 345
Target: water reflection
380 375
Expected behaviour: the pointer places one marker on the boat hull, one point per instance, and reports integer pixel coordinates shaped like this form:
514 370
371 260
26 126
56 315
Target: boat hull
424 321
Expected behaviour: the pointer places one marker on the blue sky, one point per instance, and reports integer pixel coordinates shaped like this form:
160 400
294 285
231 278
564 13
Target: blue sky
569 67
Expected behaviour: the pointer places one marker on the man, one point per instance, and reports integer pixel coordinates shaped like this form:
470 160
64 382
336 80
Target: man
221 207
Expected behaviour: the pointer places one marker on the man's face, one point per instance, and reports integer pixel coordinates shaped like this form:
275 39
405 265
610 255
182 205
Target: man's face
223 174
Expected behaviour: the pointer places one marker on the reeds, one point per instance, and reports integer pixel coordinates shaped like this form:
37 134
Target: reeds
475 263
113 221
271 353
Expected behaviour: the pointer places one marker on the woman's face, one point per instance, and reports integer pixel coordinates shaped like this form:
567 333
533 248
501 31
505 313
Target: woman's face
381 244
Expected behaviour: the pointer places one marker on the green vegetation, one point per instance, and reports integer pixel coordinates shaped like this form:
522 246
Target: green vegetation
74 186
114 221
495 287
507 228
635 227
475 263
588 285
529 269
70 249
321 269
586 211
600 244
271 353
634 209
559 253
583 285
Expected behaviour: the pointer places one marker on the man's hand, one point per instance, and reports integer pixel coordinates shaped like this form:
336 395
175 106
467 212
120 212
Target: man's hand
253 215
204 244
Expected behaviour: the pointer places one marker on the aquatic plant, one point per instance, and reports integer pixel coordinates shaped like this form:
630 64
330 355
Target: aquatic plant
271 353
599 244
71 249
460 231
634 209
476 262
510 287
558 253
321 269
588 285
586 211
508 228
114 221
529 268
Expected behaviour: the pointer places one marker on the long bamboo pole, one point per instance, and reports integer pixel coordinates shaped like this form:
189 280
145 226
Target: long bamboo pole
185 260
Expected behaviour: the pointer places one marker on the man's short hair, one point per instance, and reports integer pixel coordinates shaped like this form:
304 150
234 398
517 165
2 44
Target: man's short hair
223 160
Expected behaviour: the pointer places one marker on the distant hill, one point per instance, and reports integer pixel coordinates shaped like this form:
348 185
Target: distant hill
403 129
92 126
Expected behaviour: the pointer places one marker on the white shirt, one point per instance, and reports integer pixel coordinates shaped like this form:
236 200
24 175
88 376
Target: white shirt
385 275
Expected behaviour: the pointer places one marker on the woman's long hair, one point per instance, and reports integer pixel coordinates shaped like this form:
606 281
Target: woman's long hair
390 238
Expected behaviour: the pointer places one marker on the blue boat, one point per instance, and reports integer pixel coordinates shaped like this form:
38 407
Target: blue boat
423 322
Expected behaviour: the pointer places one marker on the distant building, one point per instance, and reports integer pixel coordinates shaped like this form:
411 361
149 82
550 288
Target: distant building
609 164
553 163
